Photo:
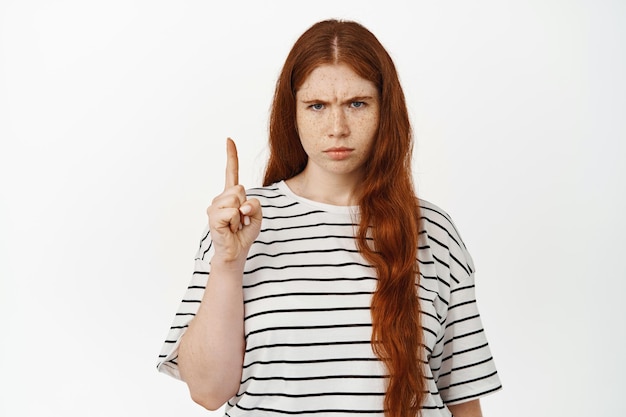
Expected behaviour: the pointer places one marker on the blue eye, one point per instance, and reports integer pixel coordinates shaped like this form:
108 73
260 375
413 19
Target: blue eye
357 104
317 106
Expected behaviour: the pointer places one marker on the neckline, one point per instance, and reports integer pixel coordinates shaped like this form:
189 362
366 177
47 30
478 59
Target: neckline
282 185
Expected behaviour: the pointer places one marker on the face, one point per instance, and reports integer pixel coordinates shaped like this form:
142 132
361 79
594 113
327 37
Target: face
337 113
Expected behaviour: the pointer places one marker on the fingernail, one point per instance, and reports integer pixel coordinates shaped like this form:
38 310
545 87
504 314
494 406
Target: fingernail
246 220
245 209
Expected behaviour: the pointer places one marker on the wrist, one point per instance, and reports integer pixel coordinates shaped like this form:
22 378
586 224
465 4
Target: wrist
227 265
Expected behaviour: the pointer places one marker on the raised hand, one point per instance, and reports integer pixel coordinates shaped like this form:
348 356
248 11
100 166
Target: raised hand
234 220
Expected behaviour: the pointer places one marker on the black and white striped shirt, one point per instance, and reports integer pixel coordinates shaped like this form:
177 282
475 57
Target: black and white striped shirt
307 294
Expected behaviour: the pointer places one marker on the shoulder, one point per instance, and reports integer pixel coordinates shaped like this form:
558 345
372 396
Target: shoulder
439 234
437 222
271 196
269 192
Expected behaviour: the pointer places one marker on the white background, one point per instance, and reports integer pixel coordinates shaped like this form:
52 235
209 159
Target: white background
113 117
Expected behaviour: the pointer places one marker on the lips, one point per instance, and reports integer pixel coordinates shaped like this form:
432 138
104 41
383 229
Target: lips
338 153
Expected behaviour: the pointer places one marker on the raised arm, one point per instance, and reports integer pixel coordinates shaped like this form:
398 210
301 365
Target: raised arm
211 351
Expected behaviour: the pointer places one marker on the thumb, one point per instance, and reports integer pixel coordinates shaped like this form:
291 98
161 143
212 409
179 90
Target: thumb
251 209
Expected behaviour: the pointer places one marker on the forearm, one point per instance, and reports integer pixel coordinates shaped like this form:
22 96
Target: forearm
211 351
468 409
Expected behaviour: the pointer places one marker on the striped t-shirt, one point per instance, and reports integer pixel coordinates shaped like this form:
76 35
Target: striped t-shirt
307 293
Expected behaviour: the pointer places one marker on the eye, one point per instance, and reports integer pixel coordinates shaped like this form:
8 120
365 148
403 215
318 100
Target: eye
317 106
357 104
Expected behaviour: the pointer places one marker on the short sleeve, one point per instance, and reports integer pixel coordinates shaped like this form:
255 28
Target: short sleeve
460 362
188 308
467 369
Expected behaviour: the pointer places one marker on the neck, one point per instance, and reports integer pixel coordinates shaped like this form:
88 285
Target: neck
338 190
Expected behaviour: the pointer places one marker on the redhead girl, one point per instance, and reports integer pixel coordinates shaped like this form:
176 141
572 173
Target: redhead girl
332 290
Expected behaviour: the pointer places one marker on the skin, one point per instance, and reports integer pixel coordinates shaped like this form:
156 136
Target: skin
468 409
211 351
336 109
337 116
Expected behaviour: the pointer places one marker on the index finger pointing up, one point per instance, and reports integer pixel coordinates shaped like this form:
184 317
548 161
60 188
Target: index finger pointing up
232 164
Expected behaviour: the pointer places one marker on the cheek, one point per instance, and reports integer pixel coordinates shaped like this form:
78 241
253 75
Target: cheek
308 127
307 133
368 127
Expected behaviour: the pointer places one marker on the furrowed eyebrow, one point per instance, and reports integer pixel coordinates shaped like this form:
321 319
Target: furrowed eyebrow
350 100
312 101
360 98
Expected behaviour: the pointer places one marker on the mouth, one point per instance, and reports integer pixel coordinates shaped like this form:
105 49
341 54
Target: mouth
338 153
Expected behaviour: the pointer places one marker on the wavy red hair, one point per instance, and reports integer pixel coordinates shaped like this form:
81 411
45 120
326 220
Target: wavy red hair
389 209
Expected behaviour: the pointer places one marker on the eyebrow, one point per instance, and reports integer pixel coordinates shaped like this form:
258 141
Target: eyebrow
350 100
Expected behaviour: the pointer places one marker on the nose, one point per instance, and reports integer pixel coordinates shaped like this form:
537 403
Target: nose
339 127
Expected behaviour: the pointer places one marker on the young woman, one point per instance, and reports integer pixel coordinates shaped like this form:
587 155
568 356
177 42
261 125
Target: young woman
332 290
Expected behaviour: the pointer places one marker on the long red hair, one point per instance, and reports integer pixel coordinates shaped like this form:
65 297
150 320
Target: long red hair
389 209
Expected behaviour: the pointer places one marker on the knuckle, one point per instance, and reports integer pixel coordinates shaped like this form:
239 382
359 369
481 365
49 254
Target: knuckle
240 189
225 200
216 199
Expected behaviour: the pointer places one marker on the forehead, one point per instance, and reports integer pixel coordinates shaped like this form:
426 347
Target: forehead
335 81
